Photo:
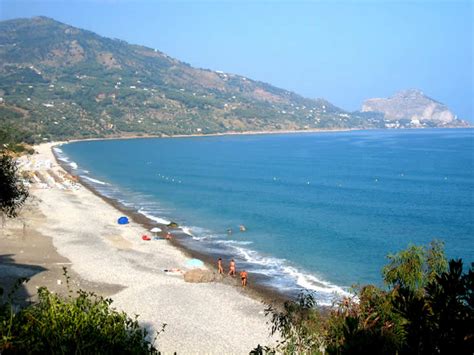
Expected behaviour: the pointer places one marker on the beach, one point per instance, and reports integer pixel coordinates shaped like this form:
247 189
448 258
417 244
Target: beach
66 225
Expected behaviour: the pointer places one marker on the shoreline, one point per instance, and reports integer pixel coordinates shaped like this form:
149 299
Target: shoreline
254 289
81 228
248 133
228 133
259 290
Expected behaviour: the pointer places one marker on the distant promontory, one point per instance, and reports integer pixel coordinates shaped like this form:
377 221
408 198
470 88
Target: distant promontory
414 106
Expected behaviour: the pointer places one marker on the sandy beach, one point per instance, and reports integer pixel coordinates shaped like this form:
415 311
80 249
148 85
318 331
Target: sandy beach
65 224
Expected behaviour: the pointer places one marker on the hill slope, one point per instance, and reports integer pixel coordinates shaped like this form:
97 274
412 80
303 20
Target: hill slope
59 82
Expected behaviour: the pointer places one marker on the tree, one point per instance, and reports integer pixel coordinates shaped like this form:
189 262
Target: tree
298 325
415 267
427 308
450 298
13 193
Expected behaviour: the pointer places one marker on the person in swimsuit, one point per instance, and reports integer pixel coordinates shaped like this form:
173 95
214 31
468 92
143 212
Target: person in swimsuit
220 269
243 277
232 268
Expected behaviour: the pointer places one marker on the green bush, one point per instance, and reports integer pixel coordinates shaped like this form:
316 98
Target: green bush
428 308
84 324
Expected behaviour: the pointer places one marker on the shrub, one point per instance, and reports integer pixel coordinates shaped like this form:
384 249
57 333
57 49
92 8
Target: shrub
70 325
13 192
427 309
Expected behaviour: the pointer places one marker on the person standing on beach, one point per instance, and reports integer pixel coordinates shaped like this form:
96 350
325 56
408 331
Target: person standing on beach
220 269
243 277
232 268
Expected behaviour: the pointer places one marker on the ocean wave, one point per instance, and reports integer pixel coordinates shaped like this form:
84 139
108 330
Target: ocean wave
275 267
152 217
234 242
310 282
93 180
62 157
73 165
188 231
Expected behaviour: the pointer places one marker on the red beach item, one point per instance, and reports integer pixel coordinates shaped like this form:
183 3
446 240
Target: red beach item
145 237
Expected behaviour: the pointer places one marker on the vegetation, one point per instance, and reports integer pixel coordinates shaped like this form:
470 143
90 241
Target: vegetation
428 308
82 324
13 193
59 82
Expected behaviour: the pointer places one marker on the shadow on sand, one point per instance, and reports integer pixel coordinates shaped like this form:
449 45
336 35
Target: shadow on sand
11 272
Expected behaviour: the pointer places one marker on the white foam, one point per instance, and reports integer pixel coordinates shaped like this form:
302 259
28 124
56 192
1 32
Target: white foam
234 242
94 180
188 231
271 266
153 218
73 165
198 238
310 282
63 158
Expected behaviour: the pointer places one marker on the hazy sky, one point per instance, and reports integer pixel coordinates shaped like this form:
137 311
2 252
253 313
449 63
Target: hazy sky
344 51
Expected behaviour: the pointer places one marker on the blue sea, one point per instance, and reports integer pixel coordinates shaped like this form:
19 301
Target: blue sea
321 210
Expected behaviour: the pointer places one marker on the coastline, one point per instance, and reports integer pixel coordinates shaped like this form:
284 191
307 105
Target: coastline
262 285
254 290
250 133
257 290
215 317
77 223
228 133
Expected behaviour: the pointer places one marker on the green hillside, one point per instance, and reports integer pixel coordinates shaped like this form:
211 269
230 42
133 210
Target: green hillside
61 82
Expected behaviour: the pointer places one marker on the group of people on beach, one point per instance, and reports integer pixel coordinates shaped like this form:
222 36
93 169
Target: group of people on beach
232 271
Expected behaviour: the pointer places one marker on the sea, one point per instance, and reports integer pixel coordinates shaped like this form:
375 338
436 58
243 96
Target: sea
321 211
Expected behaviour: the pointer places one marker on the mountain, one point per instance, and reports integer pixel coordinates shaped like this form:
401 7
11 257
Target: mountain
413 106
61 82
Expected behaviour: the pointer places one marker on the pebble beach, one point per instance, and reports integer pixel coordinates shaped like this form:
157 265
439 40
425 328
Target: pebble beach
65 224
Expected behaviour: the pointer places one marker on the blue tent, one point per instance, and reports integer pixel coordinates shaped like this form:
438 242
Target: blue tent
122 220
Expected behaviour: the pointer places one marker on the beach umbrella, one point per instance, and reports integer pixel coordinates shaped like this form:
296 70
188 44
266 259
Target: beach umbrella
122 220
155 230
194 263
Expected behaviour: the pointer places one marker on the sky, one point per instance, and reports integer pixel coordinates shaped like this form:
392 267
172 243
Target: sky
343 51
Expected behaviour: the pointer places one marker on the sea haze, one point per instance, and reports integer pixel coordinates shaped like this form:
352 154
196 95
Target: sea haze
322 210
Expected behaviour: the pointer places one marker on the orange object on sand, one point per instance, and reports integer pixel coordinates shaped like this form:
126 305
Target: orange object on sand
145 237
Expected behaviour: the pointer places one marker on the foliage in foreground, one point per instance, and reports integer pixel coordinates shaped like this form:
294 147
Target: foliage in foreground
84 324
13 193
428 308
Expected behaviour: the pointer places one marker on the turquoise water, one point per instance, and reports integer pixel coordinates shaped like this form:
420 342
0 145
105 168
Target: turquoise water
322 210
